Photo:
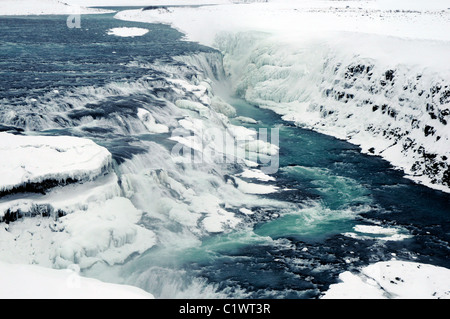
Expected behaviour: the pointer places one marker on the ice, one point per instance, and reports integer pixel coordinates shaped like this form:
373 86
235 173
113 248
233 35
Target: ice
105 232
26 160
66 199
144 3
191 105
254 188
256 174
30 281
128 32
377 232
245 119
393 279
219 105
150 122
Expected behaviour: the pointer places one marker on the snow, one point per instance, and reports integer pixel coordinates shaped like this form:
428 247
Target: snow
150 122
30 281
253 188
104 232
256 174
245 119
280 55
128 31
34 159
393 279
378 232
414 19
38 7
67 199
191 105
143 3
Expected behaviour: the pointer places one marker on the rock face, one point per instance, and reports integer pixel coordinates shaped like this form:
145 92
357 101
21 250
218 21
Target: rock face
408 109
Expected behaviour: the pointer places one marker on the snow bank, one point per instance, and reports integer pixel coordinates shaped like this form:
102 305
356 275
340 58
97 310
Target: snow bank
413 19
61 200
40 7
393 280
106 232
128 32
26 160
31 282
144 3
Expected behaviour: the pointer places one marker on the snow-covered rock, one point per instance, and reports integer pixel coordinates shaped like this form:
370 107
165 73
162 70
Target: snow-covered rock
105 232
37 163
393 280
30 282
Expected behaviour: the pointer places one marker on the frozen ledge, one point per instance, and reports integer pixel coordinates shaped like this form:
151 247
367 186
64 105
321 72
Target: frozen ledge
36 163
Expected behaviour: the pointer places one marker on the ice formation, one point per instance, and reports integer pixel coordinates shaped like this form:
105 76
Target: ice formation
393 279
20 281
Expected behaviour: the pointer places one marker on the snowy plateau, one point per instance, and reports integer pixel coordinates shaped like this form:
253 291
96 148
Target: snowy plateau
374 73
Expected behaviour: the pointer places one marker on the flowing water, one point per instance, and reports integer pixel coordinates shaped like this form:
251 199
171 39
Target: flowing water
84 82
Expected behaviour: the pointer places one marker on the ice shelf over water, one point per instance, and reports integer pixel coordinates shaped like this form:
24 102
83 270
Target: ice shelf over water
30 160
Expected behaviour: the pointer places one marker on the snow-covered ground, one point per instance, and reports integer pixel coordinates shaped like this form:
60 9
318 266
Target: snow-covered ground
393 279
18 281
413 19
38 7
